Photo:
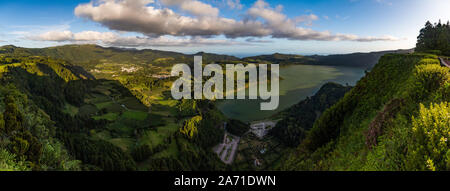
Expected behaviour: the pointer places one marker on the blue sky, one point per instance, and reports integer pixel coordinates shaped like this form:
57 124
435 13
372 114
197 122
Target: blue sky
291 26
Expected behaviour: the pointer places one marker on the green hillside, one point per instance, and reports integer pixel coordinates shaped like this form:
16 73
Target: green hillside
396 118
86 107
52 117
298 119
146 73
109 62
359 60
92 57
278 58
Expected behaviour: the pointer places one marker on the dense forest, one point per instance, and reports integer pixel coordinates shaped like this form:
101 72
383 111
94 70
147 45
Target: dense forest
299 119
434 38
54 117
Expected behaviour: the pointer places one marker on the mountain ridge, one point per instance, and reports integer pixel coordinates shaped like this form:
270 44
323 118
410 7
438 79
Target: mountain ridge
78 54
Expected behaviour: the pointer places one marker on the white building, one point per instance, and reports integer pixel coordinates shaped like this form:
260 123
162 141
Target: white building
261 129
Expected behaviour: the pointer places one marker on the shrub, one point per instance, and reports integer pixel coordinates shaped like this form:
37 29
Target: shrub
443 93
430 148
429 78
8 162
437 52
55 157
187 108
426 61
2 123
190 127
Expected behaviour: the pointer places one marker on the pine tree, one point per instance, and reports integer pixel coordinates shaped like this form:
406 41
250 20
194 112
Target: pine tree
434 38
2 124
13 119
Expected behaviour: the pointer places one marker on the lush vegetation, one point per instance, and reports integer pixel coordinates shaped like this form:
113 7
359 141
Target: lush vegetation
54 116
27 136
434 38
299 119
430 131
84 107
396 118
237 127
279 59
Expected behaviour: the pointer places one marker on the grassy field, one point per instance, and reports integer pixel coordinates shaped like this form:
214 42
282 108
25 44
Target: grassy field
70 109
156 137
131 123
103 104
133 104
108 116
123 143
171 151
96 98
88 110
135 115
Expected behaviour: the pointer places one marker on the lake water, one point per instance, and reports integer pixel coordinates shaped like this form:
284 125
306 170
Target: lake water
299 82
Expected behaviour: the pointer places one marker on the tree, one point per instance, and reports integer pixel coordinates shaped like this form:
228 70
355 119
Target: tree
191 126
187 108
13 119
2 124
19 146
434 38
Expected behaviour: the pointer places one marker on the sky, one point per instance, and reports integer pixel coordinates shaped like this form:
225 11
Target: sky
235 27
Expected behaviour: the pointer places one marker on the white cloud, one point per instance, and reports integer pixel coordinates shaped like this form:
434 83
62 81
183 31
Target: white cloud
27 30
156 22
193 7
58 36
307 19
260 20
383 38
113 39
235 4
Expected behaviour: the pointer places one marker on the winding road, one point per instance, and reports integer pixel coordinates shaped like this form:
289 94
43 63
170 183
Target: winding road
444 62
227 150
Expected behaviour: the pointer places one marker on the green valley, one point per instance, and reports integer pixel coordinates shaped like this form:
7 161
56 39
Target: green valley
91 108
99 116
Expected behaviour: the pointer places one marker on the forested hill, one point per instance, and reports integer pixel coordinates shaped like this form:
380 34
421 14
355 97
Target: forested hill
360 60
53 117
299 119
89 56
85 54
395 118
33 92
278 58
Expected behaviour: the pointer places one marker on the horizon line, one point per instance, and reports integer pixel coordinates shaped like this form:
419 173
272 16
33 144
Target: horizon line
240 56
